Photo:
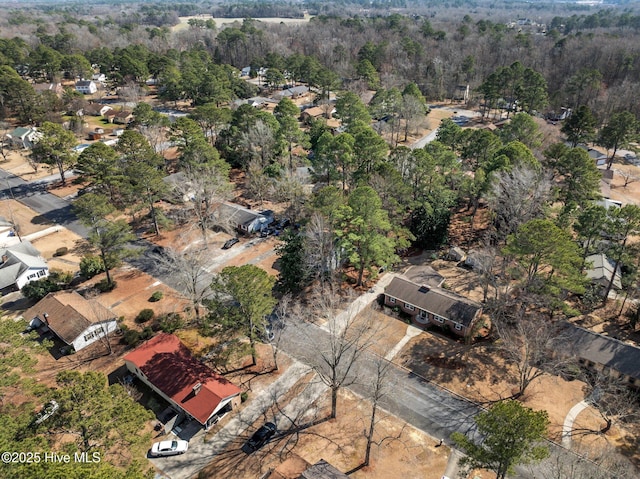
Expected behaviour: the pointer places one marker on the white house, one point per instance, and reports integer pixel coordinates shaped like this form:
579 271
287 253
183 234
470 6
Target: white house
23 137
99 77
20 264
77 321
86 87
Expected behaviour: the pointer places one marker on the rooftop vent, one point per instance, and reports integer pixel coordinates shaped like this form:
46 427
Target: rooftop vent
424 289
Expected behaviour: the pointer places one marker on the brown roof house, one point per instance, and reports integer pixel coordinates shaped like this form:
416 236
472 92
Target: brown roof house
55 88
600 353
96 109
123 117
191 388
77 321
431 305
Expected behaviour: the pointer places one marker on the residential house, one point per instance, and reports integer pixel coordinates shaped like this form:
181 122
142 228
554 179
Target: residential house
77 321
313 113
191 388
244 220
23 137
99 78
96 109
20 264
55 88
123 117
245 72
8 234
600 353
433 305
597 156
86 87
292 93
601 270
255 101
110 115
609 203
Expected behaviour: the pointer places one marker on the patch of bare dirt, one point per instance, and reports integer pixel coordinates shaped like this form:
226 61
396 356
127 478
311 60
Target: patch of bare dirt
28 221
402 451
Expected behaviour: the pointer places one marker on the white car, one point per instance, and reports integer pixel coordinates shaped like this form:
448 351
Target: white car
169 448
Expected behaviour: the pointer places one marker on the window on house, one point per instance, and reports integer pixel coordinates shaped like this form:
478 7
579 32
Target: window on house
392 300
408 306
87 337
459 326
440 319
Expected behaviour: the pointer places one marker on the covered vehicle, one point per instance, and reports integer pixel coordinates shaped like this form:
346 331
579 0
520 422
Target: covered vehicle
48 410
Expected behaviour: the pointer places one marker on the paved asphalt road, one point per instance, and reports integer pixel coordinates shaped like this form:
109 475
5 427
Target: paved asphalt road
35 196
418 402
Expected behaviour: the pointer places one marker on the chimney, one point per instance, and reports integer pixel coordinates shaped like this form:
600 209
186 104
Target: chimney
4 258
46 318
196 388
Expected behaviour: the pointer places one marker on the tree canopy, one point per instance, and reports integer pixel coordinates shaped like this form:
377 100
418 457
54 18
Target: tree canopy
511 434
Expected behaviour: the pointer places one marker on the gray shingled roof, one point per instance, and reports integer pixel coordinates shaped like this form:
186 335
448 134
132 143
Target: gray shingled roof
434 300
603 269
600 349
19 258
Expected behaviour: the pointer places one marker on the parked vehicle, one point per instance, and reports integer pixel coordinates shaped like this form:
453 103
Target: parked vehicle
229 243
48 410
259 438
169 448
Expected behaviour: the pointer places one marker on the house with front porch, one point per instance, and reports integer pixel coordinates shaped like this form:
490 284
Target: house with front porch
432 305
192 389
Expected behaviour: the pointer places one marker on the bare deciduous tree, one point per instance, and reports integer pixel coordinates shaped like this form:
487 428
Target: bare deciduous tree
516 197
338 352
259 142
627 176
321 251
203 188
601 463
527 344
615 401
259 185
188 270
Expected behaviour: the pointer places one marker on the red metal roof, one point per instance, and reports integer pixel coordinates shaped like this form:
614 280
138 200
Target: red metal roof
170 367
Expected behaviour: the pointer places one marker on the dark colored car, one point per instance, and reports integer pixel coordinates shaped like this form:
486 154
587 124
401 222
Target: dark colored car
259 438
229 243
283 223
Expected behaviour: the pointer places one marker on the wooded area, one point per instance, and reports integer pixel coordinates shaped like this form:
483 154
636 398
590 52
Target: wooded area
547 82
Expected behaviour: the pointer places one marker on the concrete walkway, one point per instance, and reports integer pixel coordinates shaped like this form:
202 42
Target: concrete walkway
342 320
567 427
453 467
412 332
